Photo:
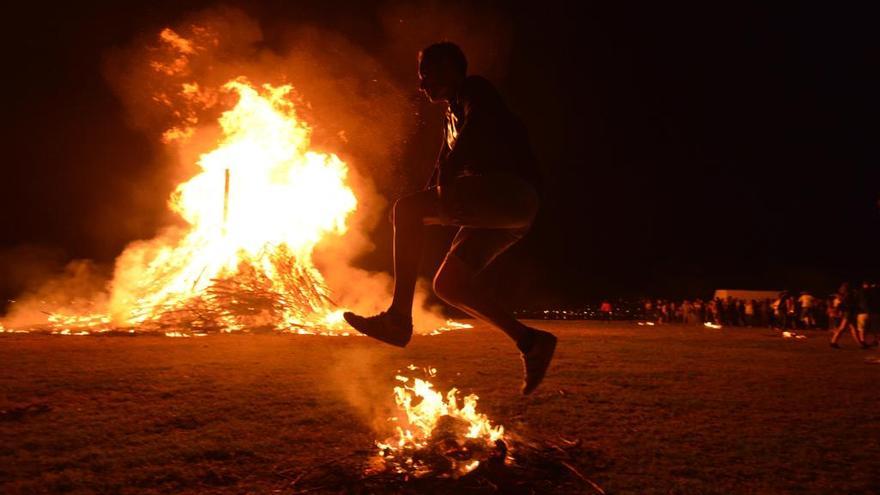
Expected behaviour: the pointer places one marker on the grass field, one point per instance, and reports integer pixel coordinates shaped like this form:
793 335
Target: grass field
667 409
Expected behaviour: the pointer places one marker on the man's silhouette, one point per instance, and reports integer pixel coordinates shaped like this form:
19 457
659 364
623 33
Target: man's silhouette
485 182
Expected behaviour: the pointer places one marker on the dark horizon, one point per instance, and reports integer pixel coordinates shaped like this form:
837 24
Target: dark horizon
685 148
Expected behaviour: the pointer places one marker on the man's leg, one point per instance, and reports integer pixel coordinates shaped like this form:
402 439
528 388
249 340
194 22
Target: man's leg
853 331
454 284
411 213
410 216
837 331
472 250
861 327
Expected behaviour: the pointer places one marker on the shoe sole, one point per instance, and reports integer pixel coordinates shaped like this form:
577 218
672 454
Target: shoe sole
528 390
380 338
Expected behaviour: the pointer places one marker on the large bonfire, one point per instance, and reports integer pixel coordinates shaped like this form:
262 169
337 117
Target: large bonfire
260 203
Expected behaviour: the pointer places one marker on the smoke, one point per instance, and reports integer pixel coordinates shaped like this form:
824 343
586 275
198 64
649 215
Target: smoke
42 279
484 33
357 377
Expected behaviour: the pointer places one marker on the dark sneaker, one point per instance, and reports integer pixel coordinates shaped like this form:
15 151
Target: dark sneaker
835 345
537 360
385 326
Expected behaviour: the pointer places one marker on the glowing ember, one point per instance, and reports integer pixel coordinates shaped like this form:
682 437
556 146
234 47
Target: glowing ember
449 326
11 330
435 429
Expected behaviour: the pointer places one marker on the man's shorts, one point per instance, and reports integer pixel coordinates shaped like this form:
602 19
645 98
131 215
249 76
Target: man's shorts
493 212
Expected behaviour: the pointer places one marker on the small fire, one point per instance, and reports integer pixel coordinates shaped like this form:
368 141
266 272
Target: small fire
450 326
434 426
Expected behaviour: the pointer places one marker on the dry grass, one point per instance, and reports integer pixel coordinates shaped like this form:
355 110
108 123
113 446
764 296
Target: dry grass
663 409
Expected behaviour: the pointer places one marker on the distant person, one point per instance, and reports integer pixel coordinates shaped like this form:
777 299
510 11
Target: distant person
605 311
741 312
663 306
687 312
807 303
791 313
776 312
700 311
486 183
749 312
866 302
848 311
833 312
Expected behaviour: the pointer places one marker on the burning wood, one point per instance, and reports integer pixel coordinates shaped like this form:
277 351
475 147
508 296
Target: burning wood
261 202
434 435
441 447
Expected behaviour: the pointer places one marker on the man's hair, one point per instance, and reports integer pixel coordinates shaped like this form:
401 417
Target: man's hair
445 50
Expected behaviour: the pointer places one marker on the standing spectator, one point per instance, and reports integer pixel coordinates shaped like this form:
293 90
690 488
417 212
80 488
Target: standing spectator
791 313
700 311
605 310
848 310
807 302
713 311
687 312
663 306
778 312
749 312
833 312
865 305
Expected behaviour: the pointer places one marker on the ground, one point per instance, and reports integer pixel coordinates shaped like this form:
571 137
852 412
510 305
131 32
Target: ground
666 409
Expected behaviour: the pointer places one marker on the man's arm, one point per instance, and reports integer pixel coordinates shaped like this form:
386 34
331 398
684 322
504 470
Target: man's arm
482 118
434 181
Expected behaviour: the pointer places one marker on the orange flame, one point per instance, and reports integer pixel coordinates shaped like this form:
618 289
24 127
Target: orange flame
260 204
424 408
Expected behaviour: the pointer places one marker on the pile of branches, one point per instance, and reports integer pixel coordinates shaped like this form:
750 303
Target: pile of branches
248 298
515 466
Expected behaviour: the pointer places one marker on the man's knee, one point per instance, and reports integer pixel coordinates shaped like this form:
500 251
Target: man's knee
449 284
454 280
411 209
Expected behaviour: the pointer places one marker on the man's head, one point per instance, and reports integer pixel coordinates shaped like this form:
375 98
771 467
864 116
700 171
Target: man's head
442 68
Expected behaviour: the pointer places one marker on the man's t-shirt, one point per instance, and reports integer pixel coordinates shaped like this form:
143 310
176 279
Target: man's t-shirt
806 301
483 136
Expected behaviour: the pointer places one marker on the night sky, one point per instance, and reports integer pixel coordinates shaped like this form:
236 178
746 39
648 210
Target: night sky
685 147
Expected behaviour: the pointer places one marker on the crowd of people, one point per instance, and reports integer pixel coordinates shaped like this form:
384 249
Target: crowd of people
856 310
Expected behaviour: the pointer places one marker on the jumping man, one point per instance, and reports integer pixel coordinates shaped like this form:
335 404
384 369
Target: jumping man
486 183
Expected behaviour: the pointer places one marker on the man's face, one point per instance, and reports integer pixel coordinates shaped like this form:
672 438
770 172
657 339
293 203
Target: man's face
438 80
